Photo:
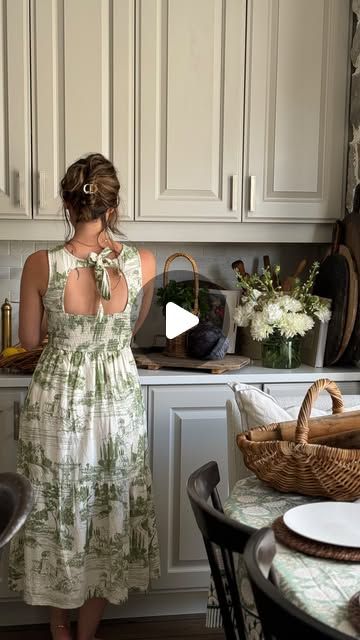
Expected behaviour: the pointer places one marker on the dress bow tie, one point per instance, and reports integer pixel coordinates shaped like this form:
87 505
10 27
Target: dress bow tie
101 262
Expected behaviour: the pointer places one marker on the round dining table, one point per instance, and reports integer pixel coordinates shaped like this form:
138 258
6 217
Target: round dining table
321 587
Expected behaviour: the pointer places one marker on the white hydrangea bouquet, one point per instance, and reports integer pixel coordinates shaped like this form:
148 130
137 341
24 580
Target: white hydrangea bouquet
279 319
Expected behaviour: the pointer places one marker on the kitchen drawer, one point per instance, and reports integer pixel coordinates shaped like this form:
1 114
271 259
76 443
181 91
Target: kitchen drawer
290 394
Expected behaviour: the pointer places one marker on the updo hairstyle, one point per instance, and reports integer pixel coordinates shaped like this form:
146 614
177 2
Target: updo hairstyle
91 186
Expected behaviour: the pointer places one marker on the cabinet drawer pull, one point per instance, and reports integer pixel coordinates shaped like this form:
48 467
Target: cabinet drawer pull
20 190
42 189
234 192
252 203
16 419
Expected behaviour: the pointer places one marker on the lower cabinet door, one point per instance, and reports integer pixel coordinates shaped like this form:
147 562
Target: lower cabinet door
187 427
11 401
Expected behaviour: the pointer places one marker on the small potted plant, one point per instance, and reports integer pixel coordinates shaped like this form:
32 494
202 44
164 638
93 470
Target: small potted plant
182 294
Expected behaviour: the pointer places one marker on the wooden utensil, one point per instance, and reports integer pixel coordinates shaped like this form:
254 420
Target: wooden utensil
343 440
239 268
320 426
289 282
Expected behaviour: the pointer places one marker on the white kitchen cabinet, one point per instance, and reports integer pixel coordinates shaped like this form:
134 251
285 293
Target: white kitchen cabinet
76 96
15 134
188 428
82 93
11 401
173 122
296 110
189 118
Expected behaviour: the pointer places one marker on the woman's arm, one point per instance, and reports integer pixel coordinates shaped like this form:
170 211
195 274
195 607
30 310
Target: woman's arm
148 269
32 317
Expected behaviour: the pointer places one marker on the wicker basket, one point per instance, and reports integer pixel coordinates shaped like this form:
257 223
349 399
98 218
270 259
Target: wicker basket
300 467
23 362
177 347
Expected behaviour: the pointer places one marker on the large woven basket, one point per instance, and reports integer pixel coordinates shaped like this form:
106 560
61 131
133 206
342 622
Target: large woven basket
300 467
177 347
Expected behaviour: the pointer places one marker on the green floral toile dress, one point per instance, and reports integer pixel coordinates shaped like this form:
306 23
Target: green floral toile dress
83 446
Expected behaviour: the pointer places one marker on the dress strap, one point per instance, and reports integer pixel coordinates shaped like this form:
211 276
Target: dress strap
133 274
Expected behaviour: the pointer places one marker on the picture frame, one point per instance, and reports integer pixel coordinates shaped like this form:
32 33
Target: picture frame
222 304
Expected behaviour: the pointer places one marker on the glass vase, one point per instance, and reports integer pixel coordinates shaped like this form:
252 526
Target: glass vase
279 352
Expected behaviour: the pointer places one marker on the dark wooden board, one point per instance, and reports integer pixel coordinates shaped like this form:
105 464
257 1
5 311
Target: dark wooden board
351 238
352 302
157 360
332 282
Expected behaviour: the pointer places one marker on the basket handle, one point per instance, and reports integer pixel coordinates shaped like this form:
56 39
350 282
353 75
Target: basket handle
302 427
196 276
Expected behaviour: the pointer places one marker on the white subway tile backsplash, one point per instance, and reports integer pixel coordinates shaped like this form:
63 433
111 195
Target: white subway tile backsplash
4 273
15 292
41 245
21 248
15 273
4 247
10 261
4 290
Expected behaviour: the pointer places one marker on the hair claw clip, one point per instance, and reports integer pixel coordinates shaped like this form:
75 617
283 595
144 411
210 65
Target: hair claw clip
89 187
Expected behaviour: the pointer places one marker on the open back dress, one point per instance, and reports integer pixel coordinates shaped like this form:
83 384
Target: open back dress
83 446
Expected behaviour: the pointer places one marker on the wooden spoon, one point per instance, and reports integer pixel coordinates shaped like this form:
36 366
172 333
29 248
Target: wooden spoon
239 268
289 282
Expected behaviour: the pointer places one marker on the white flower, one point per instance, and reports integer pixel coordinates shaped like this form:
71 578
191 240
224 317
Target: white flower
266 309
272 312
243 313
260 329
292 324
290 304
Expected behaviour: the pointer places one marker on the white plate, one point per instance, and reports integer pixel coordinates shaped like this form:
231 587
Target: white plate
330 522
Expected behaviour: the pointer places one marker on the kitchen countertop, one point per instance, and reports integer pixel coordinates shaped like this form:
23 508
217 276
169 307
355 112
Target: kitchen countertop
250 374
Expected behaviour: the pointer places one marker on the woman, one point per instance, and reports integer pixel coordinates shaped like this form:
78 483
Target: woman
91 535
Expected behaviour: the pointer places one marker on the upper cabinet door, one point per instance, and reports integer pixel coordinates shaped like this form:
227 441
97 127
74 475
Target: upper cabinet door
83 92
296 109
189 142
15 166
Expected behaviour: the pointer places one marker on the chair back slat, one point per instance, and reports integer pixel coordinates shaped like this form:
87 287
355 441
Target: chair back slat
223 538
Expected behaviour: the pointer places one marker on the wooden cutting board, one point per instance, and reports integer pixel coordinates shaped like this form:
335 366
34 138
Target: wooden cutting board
338 280
157 360
352 303
351 238
332 282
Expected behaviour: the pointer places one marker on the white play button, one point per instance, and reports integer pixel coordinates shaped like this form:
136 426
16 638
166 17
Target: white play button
178 320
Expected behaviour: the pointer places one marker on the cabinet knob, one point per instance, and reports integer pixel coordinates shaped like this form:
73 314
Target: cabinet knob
42 189
20 190
234 192
252 199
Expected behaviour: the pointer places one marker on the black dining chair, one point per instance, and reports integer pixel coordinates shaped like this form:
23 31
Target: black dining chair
222 537
16 502
280 618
